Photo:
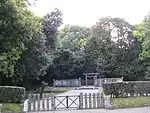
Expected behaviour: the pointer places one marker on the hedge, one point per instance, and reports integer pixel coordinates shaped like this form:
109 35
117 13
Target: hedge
122 89
12 94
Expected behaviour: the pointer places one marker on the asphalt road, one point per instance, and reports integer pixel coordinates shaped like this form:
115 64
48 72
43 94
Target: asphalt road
127 110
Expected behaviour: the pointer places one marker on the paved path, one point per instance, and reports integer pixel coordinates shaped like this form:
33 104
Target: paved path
129 110
73 100
78 91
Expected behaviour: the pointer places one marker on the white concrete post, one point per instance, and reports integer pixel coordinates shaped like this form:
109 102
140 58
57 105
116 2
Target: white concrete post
29 103
38 102
102 100
81 101
129 94
107 102
94 81
52 102
80 82
85 97
47 97
86 80
90 101
100 82
94 101
98 100
54 82
43 102
34 100
25 106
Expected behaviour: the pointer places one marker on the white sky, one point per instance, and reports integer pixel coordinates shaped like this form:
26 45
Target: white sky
87 12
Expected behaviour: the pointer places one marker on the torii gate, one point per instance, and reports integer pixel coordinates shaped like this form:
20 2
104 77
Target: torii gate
90 75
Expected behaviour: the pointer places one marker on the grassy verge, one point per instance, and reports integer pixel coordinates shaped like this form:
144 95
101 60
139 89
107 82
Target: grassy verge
10 107
51 90
56 90
130 102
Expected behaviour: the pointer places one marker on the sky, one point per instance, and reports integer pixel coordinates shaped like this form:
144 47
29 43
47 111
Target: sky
87 12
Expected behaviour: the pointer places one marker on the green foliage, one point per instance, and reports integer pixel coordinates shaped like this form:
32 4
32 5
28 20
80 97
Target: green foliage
72 36
142 33
15 108
121 89
139 32
130 102
51 22
12 94
146 42
118 89
112 50
32 50
69 57
140 87
17 26
35 61
99 55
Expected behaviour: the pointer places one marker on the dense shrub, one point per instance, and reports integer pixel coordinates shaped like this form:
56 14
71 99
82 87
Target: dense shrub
12 94
140 87
118 89
122 89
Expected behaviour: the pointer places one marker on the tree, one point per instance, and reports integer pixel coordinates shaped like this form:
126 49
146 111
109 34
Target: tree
112 47
17 28
38 57
51 23
99 52
69 57
146 40
143 34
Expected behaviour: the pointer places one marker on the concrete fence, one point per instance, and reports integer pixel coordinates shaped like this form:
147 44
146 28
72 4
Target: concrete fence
99 82
67 83
52 102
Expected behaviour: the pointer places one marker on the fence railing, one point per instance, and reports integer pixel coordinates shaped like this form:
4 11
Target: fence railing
50 102
67 83
132 95
100 81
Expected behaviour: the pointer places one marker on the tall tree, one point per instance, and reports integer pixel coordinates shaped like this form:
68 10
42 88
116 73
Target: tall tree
143 35
99 52
39 55
112 47
69 59
17 28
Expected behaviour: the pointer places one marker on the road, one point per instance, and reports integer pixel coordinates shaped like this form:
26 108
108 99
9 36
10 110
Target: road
127 110
80 90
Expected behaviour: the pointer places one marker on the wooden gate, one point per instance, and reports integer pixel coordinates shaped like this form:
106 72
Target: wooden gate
66 102
50 102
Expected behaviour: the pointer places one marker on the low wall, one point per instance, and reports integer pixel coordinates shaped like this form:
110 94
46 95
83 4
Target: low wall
113 80
99 82
67 83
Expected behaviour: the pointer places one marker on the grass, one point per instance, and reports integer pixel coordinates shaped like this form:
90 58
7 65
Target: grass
130 102
54 90
10 107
